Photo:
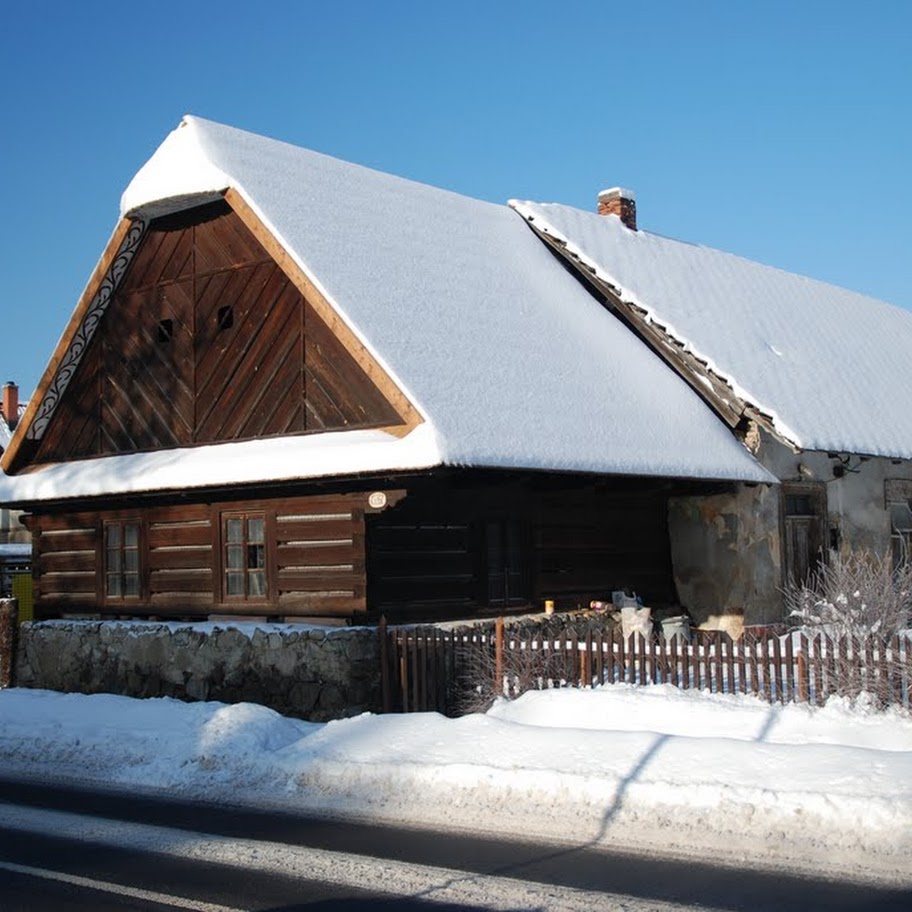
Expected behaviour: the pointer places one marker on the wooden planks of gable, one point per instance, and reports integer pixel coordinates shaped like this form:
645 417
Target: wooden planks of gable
207 339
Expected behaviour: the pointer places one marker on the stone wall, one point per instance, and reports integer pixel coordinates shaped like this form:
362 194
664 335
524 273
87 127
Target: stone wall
8 620
315 673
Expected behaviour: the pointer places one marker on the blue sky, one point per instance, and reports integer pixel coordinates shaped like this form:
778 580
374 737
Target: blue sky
781 131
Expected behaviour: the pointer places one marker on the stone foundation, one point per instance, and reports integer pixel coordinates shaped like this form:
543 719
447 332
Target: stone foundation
8 620
314 673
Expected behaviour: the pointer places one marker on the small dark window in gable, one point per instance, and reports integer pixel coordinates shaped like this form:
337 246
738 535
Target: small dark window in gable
165 330
225 317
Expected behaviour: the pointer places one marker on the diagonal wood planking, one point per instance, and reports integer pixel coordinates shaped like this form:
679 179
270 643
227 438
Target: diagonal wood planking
207 340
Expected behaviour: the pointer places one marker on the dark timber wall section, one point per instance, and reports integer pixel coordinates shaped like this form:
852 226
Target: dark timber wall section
457 549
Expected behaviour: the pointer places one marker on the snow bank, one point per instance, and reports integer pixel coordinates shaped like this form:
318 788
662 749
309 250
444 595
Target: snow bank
651 769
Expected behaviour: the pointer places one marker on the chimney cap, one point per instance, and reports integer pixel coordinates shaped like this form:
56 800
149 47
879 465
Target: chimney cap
617 193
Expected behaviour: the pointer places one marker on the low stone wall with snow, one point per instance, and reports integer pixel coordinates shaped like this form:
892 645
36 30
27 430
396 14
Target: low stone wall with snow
315 673
8 613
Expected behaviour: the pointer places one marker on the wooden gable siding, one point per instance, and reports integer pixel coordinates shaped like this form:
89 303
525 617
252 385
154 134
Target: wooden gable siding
315 562
207 339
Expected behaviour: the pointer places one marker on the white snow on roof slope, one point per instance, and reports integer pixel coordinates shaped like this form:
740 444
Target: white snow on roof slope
6 435
16 550
510 360
833 367
242 462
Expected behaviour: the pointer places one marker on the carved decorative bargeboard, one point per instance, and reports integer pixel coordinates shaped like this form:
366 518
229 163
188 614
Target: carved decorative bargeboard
83 336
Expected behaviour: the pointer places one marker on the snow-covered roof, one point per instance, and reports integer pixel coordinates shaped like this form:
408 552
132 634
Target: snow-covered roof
15 551
832 367
506 356
217 465
5 433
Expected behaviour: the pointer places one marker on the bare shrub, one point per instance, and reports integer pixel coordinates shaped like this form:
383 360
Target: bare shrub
861 603
529 663
856 594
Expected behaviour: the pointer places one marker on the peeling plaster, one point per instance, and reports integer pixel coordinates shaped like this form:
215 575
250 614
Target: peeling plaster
727 550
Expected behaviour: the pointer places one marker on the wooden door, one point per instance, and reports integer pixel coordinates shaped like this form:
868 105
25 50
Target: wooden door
508 571
804 530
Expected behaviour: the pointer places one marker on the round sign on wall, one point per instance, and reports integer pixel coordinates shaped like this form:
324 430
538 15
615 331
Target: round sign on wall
377 500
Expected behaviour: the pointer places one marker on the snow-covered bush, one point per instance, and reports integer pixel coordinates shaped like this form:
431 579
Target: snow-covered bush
856 594
861 603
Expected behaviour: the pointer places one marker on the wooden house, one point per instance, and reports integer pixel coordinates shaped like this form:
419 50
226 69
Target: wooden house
297 388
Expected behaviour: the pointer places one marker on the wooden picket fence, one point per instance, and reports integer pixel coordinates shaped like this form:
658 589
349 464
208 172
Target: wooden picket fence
455 671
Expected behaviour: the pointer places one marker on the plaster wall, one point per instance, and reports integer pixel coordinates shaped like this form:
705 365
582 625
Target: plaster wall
727 550
854 485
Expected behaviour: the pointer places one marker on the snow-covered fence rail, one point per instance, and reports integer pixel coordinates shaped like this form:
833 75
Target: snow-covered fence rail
453 671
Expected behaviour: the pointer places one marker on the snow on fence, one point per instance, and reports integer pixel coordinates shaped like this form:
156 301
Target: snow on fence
457 671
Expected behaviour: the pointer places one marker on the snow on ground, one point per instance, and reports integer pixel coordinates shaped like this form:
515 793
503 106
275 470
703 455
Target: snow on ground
641 769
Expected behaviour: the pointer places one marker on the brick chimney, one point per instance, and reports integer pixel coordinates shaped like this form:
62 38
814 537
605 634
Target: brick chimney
10 404
620 202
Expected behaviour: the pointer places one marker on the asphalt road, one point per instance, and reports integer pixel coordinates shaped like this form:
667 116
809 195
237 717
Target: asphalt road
215 858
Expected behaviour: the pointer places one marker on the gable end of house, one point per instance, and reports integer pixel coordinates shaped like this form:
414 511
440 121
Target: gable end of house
198 328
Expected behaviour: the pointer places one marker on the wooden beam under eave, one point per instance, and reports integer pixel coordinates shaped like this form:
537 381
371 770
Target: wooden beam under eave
16 453
411 418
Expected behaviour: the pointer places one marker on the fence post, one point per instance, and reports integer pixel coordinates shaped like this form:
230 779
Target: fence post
402 647
498 656
777 676
9 612
384 666
717 669
803 682
896 671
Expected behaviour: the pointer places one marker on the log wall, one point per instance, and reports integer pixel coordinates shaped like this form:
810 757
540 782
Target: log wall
314 559
456 547
508 544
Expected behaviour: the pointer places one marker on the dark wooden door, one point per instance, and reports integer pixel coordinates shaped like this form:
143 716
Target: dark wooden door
508 571
804 528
